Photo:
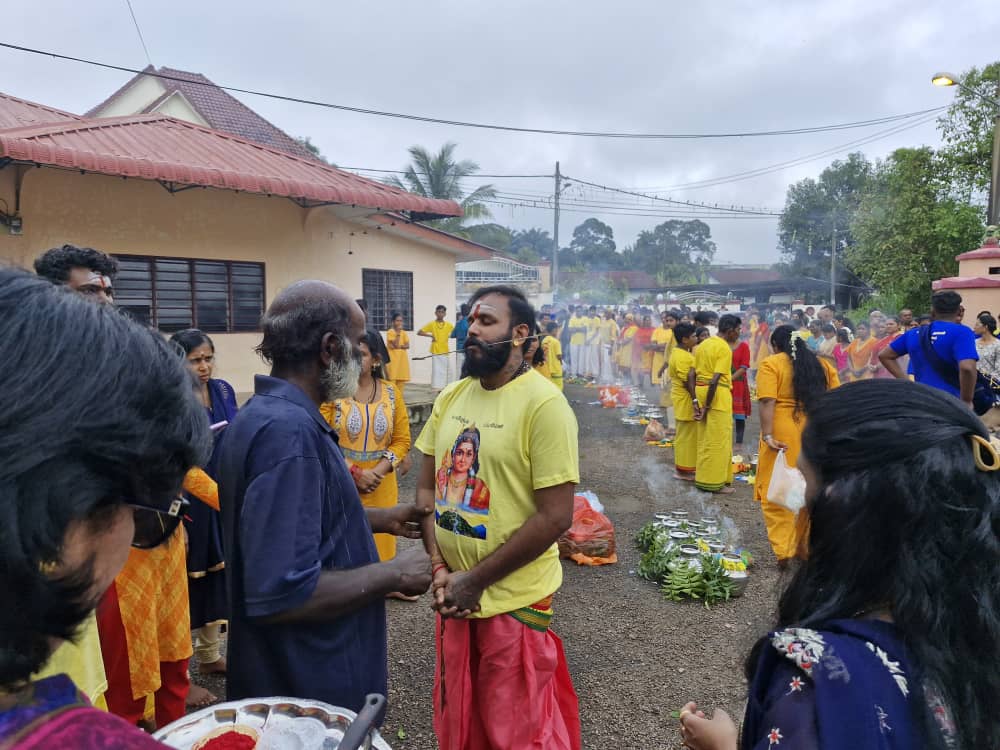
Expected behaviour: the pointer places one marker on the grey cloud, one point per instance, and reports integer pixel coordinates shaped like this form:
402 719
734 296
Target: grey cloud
635 65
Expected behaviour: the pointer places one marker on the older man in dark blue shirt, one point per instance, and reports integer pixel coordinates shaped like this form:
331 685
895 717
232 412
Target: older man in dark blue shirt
306 586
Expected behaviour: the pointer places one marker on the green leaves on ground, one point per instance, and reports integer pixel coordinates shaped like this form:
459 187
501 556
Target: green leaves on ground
679 578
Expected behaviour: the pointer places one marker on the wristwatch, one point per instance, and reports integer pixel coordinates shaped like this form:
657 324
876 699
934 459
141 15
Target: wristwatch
766 437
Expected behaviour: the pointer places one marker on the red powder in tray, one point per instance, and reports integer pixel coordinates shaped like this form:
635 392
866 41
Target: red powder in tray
230 741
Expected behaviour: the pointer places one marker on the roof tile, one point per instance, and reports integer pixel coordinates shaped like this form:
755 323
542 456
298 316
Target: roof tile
157 147
219 109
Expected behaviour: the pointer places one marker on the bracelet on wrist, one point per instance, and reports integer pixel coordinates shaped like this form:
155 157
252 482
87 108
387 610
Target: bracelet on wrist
436 568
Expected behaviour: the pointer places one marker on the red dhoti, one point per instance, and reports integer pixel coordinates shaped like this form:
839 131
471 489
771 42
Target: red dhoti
502 685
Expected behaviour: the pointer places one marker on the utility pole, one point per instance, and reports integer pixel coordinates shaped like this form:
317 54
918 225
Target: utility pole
555 237
833 267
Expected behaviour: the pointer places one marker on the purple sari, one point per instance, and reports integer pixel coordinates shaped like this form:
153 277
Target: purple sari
205 559
54 714
848 685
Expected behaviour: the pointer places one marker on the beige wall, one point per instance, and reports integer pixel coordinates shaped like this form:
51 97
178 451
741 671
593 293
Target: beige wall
135 98
177 106
977 266
141 218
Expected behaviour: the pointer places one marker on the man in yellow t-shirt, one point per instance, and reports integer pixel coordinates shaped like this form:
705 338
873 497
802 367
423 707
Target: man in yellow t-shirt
713 362
499 470
577 343
663 344
438 330
553 354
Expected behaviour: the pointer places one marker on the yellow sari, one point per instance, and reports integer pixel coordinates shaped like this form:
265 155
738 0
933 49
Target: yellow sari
715 430
625 346
774 381
397 369
366 431
686 439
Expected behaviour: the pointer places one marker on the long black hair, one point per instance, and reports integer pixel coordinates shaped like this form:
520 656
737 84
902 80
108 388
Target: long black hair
808 373
377 348
902 518
118 419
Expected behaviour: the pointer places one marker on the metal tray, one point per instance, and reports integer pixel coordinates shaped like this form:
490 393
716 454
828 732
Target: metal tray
259 713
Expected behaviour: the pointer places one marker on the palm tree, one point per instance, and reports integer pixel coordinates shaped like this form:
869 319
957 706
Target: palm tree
440 176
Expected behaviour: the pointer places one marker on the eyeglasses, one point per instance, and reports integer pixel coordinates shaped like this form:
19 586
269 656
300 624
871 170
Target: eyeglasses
154 526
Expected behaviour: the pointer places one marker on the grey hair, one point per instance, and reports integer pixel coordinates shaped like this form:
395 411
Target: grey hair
293 335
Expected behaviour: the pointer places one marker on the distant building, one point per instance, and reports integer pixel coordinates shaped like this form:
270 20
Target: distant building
534 280
209 226
194 98
978 280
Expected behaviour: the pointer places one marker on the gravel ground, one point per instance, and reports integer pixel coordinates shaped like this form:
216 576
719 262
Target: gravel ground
634 656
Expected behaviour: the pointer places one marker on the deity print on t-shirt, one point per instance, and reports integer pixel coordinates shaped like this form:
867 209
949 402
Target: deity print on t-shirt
462 499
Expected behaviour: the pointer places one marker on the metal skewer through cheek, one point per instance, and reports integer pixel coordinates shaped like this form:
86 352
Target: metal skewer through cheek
462 351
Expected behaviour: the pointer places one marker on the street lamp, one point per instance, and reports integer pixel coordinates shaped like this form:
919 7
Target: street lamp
993 208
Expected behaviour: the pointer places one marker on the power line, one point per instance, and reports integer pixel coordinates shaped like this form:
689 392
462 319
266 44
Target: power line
425 174
760 171
690 204
660 215
547 201
139 31
485 126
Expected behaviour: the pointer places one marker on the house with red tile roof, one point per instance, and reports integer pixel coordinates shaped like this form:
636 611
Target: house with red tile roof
207 226
194 98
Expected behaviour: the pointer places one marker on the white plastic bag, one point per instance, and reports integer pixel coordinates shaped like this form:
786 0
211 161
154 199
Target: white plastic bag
787 487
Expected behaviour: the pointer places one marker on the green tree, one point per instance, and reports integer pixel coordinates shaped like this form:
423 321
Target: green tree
967 130
591 249
815 209
531 245
908 229
440 176
492 235
676 252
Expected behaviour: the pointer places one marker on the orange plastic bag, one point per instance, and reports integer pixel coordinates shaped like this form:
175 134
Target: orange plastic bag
608 395
591 538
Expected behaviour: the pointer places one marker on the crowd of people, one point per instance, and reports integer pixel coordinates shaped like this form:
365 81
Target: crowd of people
143 508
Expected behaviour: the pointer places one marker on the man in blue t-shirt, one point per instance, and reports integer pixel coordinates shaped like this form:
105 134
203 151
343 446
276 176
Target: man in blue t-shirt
306 588
459 333
953 370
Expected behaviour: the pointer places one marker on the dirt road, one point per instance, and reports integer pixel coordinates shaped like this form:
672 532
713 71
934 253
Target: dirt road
635 657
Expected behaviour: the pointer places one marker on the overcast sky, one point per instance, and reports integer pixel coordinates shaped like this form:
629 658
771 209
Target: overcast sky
631 65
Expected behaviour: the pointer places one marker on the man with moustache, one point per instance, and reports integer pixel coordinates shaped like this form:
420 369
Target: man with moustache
306 586
501 679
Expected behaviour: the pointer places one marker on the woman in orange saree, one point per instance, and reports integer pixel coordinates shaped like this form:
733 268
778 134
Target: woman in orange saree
862 354
642 355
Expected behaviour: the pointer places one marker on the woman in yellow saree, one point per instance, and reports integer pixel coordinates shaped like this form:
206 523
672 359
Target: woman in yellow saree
788 384
374 433
624 358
